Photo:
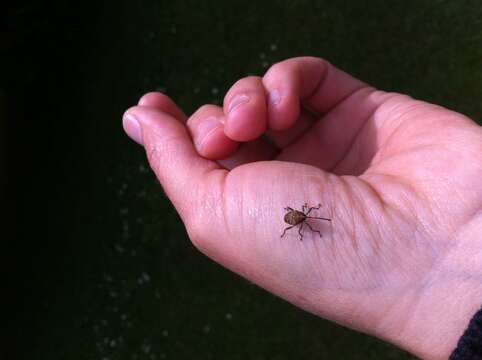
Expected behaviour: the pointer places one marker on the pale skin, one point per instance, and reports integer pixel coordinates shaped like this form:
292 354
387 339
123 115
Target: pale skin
400 179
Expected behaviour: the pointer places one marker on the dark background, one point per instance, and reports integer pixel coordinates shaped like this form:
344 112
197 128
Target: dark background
100 266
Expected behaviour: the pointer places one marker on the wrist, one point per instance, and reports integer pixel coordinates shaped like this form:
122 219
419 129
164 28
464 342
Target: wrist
438 312
441 318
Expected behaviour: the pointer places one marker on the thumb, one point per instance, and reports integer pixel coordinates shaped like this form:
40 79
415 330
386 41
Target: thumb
184 175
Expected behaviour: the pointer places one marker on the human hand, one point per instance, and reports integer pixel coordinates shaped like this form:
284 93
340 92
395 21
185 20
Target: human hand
399 178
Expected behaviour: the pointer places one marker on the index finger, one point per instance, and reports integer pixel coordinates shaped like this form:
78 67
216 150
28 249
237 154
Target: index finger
312 81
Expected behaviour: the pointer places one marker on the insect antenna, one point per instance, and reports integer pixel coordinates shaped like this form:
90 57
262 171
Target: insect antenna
321 218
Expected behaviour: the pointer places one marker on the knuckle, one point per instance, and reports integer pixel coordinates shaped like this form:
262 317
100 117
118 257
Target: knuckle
279 71
291 66
249 84
277 68
153 94
248 80
203 112
206 108
285 65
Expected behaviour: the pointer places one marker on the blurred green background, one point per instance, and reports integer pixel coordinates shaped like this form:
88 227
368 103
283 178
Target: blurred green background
103 268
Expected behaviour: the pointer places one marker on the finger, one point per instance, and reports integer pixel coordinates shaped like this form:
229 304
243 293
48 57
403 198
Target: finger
207 131
164 103
313 81
171 153
252 151
245 109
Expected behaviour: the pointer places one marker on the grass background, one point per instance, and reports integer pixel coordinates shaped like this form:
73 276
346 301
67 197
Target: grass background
102 267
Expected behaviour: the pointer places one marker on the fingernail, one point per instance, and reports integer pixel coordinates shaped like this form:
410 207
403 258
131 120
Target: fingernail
204 129
237 101
132 128
274 97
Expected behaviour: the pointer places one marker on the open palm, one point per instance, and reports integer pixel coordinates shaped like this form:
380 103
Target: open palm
399 178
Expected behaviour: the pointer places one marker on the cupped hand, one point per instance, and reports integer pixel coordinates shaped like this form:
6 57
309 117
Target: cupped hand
399 178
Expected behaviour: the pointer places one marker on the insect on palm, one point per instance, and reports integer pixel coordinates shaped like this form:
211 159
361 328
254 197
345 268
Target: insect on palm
299 218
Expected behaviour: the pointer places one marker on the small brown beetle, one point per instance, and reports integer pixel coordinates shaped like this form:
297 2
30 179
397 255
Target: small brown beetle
296 217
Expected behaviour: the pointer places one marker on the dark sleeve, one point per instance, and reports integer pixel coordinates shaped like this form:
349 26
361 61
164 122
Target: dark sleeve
469 346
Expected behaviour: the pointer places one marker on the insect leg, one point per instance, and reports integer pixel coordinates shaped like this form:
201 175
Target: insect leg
284 232
299 231
313 208
313 229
